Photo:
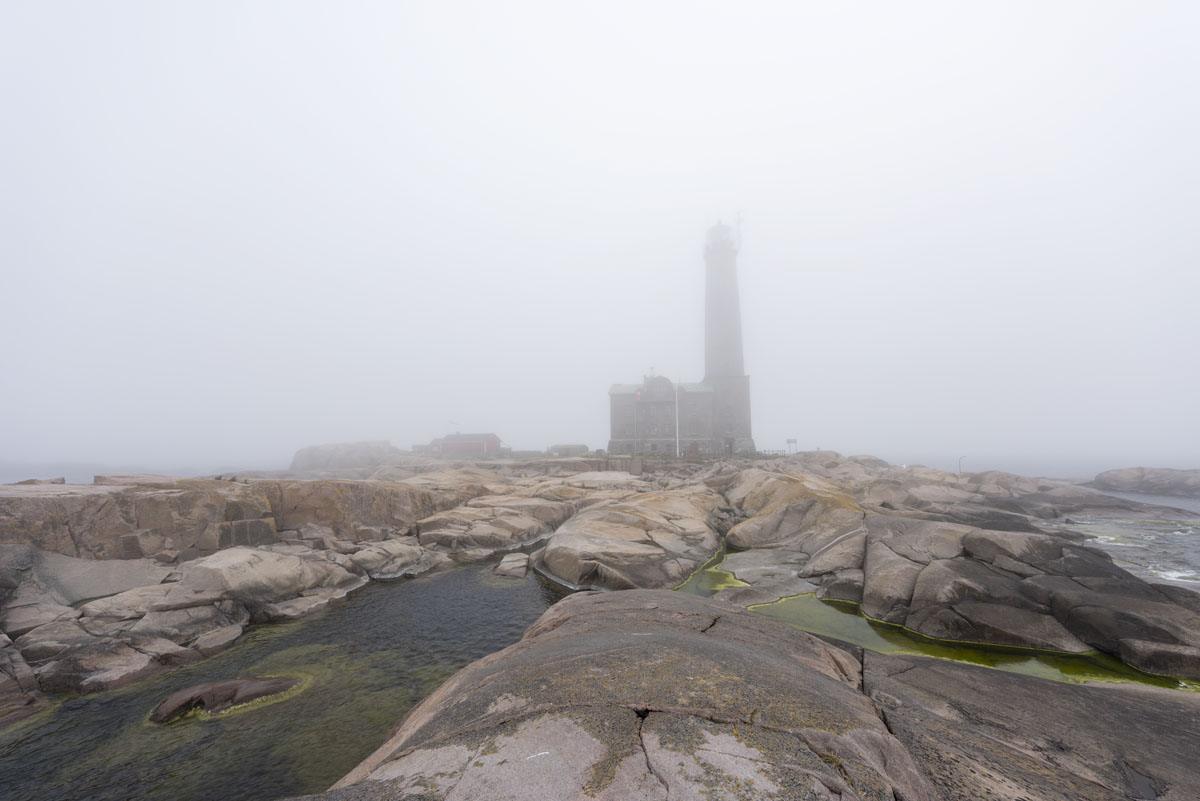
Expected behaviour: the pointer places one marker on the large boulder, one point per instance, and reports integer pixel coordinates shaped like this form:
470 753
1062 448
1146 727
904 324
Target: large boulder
653 539
396 558
1020 589
493 522
674 697
253 578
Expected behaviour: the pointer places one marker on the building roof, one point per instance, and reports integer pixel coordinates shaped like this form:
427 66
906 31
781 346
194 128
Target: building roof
469 436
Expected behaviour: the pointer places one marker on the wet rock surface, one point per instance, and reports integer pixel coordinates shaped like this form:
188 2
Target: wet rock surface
218 696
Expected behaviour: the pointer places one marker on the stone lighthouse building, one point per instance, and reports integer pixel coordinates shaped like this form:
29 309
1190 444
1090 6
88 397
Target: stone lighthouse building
707 418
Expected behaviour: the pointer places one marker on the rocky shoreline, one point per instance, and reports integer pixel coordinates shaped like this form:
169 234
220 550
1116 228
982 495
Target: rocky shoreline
217 555
103 584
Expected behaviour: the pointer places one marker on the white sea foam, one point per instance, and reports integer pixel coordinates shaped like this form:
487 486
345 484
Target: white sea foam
1178 575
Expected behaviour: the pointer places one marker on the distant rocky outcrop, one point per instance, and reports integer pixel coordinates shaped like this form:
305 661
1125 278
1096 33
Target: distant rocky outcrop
341 455
660 695
1151 481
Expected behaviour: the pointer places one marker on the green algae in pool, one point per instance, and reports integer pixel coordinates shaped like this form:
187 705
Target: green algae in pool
363 666
843 621
710 578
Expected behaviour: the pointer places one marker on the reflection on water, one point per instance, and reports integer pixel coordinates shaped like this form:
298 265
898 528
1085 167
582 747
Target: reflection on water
366 664
842 621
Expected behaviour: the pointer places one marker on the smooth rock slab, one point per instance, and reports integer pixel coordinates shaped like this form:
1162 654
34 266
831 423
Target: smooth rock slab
645 695
989 734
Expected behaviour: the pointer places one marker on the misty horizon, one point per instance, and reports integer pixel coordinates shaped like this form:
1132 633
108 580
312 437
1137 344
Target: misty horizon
969 235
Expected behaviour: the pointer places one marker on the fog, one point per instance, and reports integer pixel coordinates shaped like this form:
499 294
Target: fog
229 230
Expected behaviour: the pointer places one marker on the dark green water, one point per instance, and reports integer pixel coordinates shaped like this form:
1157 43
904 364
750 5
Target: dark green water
365 664
842 621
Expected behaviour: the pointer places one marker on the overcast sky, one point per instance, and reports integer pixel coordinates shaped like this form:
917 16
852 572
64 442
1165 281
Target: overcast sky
229 230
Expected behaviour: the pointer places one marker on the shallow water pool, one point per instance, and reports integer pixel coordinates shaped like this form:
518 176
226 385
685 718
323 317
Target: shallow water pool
364 664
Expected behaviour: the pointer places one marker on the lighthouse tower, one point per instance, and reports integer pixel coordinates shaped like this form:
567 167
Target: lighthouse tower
709 418
724 370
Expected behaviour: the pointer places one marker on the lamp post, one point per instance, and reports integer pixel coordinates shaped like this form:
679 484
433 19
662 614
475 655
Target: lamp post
960 460
676 419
